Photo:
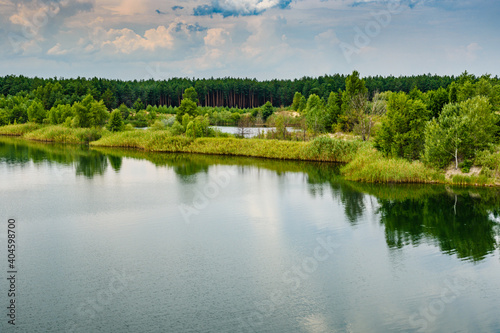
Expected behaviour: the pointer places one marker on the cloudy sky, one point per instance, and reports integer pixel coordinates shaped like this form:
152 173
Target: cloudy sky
265 39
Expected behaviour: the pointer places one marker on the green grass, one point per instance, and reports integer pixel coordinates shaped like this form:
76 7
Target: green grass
18 129
480 180
321 149
371 166
63 134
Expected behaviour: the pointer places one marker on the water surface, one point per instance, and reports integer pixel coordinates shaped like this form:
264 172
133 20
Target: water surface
126 241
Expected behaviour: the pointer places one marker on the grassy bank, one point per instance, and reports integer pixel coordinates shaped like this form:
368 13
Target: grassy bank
363 162
54 133
19 129
369 165
321 149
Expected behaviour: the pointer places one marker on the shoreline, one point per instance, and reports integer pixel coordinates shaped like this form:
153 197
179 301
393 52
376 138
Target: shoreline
361 162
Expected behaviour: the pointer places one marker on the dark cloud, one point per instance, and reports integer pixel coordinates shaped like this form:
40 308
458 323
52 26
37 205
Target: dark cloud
233 8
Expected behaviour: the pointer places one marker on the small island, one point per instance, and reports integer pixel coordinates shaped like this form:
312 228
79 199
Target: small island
383 130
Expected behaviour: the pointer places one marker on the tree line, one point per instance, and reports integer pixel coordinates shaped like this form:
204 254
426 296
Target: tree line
214 92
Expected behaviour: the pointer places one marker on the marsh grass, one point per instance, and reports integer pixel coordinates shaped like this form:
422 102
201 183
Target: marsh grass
371 166
64 134
480 180
321 149
18 129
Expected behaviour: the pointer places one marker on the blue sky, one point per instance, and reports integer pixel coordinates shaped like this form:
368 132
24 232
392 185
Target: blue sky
265 39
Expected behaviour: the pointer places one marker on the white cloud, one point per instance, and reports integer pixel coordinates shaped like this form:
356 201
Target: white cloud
57 50
216 37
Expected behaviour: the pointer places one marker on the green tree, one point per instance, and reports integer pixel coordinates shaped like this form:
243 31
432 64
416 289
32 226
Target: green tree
99 113
124 111
187 107
109 99
453 92
460 132
437 99
354 87
59 114
115 123
89 112
402 132
315 114
138 105
83 116
36 112
267 110
302 104
190 132
191 94
296 101
332 110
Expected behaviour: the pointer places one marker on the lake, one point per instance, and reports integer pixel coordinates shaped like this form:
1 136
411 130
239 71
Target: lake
249 132
126 241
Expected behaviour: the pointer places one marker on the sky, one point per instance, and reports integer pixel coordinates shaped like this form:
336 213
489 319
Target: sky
263 39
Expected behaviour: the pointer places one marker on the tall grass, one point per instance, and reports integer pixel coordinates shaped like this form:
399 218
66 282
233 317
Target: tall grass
323 149
64 134
371 166
327 149
480 180
18 129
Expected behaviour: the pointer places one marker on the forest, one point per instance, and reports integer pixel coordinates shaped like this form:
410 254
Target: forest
227 92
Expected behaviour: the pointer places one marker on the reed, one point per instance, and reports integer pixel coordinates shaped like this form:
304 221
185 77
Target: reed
63 134
18 129
371 166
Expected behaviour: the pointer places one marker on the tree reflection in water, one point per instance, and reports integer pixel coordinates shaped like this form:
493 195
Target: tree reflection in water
460 221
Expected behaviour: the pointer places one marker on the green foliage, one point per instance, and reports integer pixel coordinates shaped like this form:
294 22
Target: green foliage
99 114
453 92
115 123
332 110
327 149
59 114
190 94
140 119
49 94
138 105
370 165
353 86
188 107
18 129
316 116
36 112
124 111
198 127
302 104
190 130
436 101
177 128
109 99
461 131
267 110
90 113
4 117
63 134
296 101
402 132
465 166
158 125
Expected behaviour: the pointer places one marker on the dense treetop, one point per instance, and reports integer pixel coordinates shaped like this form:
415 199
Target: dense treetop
229 92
